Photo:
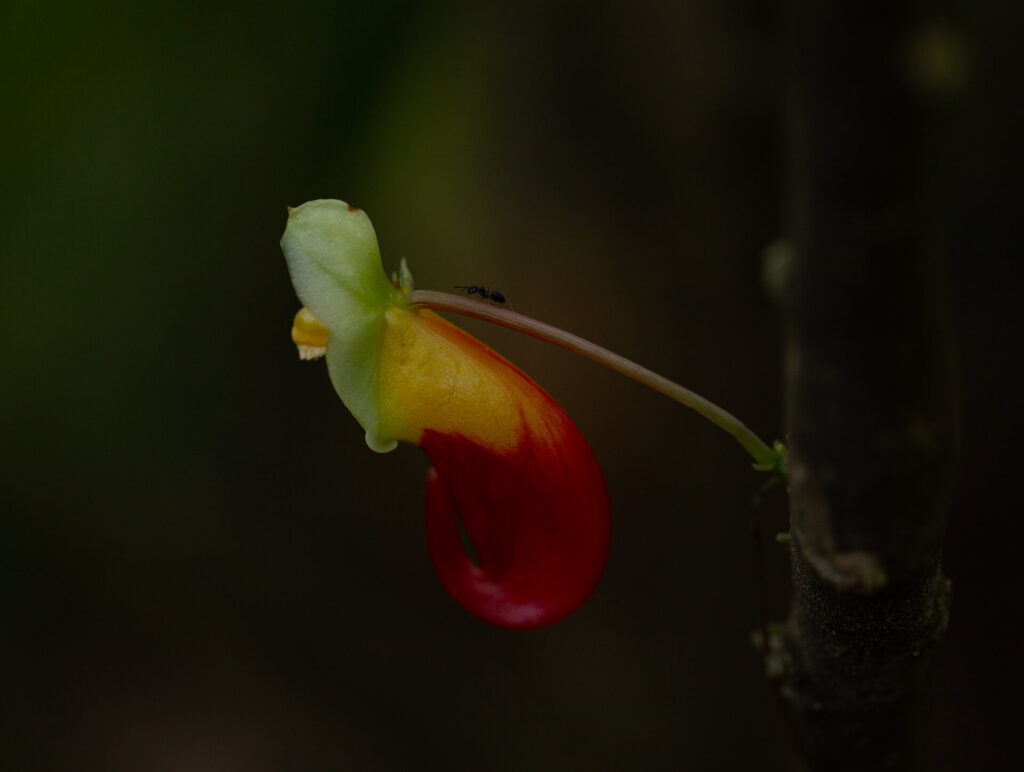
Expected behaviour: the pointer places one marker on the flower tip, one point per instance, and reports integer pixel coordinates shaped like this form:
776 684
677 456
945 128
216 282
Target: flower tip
377 445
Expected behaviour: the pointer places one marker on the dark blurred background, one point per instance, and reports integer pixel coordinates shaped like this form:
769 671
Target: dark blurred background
202 566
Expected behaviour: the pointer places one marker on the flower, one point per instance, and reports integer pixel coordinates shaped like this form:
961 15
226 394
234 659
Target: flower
509 464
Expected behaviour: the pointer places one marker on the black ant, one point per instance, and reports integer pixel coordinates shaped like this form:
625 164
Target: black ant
486 294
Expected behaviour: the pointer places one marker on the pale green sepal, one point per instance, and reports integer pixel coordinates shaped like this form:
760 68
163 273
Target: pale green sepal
405 276
334 262
353 371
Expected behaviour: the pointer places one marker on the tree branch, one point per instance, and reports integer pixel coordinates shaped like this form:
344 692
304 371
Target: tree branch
870 376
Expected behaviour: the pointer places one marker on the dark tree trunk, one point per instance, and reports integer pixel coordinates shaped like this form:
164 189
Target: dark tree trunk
870 377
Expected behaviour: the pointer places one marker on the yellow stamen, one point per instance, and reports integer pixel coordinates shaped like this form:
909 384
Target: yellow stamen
309 335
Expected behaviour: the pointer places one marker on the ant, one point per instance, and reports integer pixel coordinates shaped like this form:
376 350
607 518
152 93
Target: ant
486 294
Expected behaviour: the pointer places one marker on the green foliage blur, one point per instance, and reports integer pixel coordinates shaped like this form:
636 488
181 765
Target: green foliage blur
203 567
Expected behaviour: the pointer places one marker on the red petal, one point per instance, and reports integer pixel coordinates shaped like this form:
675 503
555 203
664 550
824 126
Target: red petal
538 519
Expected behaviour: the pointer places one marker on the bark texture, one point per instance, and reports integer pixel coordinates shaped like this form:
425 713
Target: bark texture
870 387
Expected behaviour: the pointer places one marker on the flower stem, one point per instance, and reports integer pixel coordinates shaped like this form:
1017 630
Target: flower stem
767 458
